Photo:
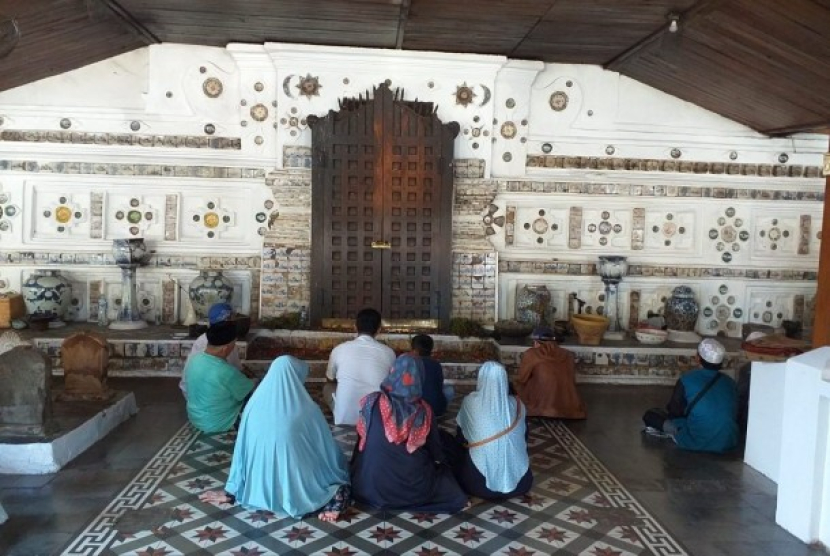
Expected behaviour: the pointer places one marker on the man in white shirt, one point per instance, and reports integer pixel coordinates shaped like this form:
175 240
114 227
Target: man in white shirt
358 366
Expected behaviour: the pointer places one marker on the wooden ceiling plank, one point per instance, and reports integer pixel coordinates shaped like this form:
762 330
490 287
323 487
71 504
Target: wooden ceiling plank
814 127
718 95
753 74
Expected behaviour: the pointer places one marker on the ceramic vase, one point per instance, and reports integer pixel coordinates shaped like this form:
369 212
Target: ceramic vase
208 288
47 294
681 310
533 305
129 251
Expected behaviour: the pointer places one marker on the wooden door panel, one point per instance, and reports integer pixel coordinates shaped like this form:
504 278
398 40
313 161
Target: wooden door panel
412 158
347 216
382 174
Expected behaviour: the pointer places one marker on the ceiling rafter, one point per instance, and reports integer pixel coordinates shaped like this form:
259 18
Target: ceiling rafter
125 17
404 16
700 8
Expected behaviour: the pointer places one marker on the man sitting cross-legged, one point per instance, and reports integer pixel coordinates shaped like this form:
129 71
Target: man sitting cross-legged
219 312
216 390
436 393
545 382
358 366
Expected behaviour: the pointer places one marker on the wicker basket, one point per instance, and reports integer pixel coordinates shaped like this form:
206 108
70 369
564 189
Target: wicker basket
589 328
11 307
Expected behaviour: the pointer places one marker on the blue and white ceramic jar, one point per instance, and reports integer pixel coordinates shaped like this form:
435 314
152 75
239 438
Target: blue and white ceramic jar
208 288
47 294
681 310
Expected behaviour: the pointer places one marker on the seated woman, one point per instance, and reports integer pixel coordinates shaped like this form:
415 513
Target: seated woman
285 459
398 463
492 462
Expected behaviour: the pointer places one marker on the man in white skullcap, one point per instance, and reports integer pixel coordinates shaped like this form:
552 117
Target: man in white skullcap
701 412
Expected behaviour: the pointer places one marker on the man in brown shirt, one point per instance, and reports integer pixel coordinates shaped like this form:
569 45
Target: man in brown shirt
546 380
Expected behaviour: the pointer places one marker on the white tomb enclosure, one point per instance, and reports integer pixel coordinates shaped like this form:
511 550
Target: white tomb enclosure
788 439
205 153
49 456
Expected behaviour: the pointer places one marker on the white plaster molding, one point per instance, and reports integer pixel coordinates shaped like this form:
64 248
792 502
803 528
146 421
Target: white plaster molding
512 107
376 61
672 178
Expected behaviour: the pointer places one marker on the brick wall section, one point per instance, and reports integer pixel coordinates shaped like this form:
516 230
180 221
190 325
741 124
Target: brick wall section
285 279
474 283
472 198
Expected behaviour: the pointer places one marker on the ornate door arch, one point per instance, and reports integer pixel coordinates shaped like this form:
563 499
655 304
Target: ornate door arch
382 209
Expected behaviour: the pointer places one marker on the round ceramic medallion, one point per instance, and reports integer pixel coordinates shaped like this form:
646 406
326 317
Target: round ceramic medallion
722 312
259 112
508 130
669 228
540 225
558 101
212 87
730 212
605 228
211 220
729 234
134 217
774 234
63 214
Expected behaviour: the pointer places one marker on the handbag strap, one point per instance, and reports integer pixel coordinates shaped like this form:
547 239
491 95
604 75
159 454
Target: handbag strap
701 393
498 435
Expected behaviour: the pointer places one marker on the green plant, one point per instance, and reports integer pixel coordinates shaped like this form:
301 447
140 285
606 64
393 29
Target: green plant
464 327
286 321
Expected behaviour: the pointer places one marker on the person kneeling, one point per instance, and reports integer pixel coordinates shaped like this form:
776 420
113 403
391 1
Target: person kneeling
398 463
216 390
490 455
701 413
285 458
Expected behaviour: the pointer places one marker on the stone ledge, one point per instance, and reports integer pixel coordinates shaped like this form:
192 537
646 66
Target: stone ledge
49 456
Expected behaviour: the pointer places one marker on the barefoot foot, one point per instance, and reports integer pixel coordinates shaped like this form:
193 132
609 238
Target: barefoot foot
329 516
215 497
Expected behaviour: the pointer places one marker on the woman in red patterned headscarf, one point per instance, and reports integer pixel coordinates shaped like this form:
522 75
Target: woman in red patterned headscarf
398 463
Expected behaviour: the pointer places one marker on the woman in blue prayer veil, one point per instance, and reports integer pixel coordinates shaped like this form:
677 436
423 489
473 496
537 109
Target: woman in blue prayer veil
285 459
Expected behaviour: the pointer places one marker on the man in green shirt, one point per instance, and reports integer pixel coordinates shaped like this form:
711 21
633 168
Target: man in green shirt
216 390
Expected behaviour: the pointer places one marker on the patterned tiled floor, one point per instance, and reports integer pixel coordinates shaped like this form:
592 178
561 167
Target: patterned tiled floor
576 507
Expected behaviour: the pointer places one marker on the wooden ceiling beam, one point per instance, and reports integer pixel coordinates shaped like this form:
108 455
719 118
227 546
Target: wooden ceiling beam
700 8
531 29
402 19
127 19
813 127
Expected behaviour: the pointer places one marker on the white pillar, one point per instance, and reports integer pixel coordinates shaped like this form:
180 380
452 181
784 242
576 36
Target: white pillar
804 469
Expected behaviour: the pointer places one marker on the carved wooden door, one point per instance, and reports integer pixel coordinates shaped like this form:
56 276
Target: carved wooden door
382 210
